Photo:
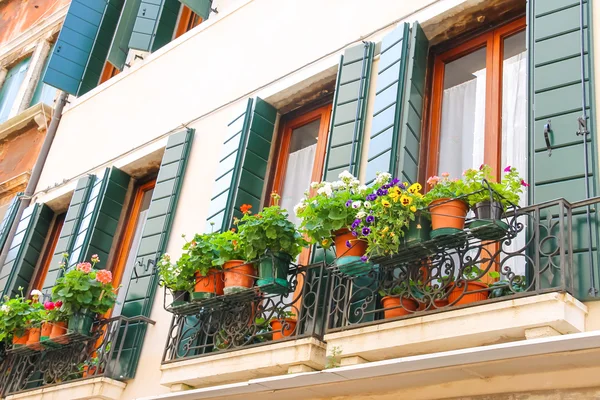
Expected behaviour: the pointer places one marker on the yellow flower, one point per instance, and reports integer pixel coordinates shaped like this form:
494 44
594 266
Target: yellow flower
392 234
406 200
394 196
385 203
325 242
413 209
395 189
405 184
384 230
415 188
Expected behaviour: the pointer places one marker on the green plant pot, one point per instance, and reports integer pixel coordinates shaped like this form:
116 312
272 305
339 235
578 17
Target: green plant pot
449 237
353 266
489 229
418 231
81 323
180 298
273 273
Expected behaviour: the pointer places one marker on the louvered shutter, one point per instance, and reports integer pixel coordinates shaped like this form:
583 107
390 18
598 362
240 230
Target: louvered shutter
155 236
396 129
80 53
119 48
349 109
555 95
154 25
242 165
69 230
8 220
200 7
25 249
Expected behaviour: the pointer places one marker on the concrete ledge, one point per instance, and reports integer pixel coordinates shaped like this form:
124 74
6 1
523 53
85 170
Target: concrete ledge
257 362
89 389
458 329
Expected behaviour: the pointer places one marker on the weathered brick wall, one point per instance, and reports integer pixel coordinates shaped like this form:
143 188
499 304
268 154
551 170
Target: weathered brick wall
16 16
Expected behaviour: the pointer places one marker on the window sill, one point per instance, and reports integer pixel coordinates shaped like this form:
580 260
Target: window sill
41 114
300 355
505 321
97 388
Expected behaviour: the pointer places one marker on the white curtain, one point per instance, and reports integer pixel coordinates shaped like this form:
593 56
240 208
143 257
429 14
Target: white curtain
297 179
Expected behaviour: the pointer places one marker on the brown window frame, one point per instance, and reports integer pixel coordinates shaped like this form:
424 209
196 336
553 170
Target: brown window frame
47 255
493 41
108 72
188 20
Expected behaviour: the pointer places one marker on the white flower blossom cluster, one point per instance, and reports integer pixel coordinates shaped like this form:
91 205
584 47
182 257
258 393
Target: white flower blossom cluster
383 178
5 308
346 182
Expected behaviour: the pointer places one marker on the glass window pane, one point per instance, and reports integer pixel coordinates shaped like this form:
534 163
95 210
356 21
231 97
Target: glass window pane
44 93
10 88
463 114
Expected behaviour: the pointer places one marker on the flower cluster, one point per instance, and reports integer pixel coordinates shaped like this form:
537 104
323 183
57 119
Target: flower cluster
385 214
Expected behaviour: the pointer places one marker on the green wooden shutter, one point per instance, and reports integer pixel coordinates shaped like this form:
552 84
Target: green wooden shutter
119 48
555 95
69 230
242 165
8 220
349 108
155 24
100 217
398 112
200 7
155 236
80 53
25 249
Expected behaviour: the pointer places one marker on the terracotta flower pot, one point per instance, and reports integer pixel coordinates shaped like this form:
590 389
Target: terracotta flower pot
283 329
437 303
467 297
238 276
46 331
59 331
446 213
33 342
208 286
406 308
341 250
19 341
89 371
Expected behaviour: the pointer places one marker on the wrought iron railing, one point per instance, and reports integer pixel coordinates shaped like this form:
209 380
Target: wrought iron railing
104 353
250 317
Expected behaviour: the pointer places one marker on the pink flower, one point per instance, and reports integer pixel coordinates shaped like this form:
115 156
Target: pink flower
524 184
445 174
58 304
433 180
84 267
507 169
481 167
49 305
95 259
104 276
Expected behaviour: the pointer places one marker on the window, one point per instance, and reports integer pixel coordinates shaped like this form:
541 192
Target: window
10 88
44 93
48 253
132 236
479 104
108 72
188 20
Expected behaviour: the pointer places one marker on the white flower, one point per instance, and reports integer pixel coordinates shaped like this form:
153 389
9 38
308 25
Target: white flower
356 204
361 214
314 202
5 308
362 188
314 185
338 184
326 189
383 177
346 176
299 207
355 182
36 292
367 204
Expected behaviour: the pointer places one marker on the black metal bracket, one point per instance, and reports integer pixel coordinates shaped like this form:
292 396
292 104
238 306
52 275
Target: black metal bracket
547 130
583 130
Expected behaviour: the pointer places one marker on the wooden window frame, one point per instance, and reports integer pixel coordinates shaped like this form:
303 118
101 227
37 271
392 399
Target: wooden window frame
47 255
108 72
493 41
128 230
188 20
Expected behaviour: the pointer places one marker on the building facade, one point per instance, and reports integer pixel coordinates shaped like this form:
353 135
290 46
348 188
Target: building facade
179 112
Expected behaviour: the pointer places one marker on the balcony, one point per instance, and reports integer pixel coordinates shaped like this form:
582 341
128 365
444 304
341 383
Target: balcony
73 365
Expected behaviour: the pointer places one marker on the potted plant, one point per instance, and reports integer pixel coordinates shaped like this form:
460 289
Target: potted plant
506 287
470 289
177 277
238 275
14 319
283 324
397 301
36 317
54 323
270 236
448 211
208 277
490 199
85 293
327 216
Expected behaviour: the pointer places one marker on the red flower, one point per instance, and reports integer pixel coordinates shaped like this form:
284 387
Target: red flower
58 304
245 208
104 276
524 184
49 305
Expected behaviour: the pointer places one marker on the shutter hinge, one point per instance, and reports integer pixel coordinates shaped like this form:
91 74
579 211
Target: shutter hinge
583 130
547 130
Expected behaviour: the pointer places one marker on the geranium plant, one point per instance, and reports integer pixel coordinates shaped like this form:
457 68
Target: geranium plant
85 289
385 214
54 312
228 247
332 208
508 191
269 230
178 275
202 252
15 316
445 188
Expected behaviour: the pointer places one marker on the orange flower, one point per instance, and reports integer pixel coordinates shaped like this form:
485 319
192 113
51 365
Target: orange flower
245 208
85 267
104 276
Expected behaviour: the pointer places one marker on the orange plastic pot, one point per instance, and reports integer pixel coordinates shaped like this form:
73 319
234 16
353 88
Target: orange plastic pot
437 303
341 250
237 276
461 295
33 342
19 341
404 306
88 371
446 213
59 331
46 331
211 283
283 329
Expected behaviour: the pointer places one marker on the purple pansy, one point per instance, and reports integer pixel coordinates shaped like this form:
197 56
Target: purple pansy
386 186
370 219
348 244
364 258
348 203
372 197
356 223
401 186
366 231
354 234
395 181
381 192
